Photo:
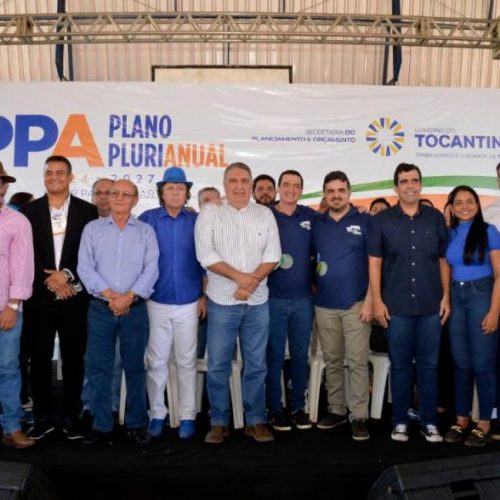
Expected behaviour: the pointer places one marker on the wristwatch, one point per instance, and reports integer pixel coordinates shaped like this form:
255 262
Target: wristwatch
14 305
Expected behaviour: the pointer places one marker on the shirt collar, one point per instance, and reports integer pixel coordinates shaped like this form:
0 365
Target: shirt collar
164 214
399 211
132 221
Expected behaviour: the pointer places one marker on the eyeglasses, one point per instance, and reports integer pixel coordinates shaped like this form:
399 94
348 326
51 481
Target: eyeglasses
122 194
101 193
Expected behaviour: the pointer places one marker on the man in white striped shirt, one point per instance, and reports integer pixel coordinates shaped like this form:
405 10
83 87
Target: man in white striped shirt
238 243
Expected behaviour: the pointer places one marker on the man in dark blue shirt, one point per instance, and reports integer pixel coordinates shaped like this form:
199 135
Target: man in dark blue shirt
175 304
343 304
290 304
409 278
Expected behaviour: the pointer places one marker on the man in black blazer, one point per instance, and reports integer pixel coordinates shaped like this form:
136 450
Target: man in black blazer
59 302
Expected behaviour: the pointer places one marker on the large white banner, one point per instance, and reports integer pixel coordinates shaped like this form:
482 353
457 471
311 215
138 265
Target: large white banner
136 130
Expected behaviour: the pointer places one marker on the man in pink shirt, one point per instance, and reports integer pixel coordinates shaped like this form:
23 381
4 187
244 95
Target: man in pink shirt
16 280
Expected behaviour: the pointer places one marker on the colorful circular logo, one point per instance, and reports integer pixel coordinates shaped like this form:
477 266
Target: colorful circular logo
286 261
385 136
322 268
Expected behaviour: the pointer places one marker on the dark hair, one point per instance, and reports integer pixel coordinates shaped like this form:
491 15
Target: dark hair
159 192
291 172
263 177
380 200
61 159
336 175
99 180
406 167
498 168
426 200
20 199
477 238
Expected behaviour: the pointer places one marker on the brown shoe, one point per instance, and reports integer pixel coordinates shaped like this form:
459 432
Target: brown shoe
18 440
217 434
259 432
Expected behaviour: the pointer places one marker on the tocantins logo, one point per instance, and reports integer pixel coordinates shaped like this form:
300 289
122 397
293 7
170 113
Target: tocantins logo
385 136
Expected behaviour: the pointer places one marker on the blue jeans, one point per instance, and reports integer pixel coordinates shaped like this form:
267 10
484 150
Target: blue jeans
115 385
474 353
292 319
414 338
132 330
10 378
224 324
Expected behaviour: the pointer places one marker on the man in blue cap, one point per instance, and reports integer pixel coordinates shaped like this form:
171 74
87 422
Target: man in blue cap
176 303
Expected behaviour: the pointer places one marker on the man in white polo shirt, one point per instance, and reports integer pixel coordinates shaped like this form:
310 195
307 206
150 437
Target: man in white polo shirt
238 242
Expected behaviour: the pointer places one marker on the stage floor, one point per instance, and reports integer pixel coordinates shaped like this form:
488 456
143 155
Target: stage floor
299 464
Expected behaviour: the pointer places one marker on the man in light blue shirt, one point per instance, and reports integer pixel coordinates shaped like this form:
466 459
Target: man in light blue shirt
118 262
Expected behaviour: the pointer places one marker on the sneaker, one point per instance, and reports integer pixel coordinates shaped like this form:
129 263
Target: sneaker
495 429
186 429
301 420
28 405
413 414
400 433
359 429
477 438
73 431
431 434
456 434
217 434
155 427
259 432
280 422
139 435
331 421
40 430
97 437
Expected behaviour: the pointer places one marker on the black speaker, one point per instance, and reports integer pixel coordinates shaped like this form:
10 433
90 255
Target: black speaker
473 477
19 481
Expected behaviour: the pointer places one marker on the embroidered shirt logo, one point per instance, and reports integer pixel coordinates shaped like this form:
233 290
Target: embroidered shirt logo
305 224
354 229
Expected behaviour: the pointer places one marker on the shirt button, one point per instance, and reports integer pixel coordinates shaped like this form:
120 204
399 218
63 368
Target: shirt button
413 295
413 247
413 263
412 231
413 279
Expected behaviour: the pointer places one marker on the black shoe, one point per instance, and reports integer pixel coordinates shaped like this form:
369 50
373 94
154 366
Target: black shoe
359 429
331 421
301 420
456 434
279 422
73 431
140 435
477 438
98 437
40 430
86 420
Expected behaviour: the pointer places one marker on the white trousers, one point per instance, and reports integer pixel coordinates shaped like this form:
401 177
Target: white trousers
172 330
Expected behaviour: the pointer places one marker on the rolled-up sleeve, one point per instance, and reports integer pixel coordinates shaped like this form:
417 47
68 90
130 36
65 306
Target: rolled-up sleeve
87 265
272 251
22 269
206 252
144 286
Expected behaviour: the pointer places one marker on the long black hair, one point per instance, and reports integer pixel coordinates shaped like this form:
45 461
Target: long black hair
477 239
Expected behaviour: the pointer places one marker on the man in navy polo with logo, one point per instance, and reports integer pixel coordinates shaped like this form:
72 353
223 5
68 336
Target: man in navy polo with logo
290 304
410 280
176 303
343 304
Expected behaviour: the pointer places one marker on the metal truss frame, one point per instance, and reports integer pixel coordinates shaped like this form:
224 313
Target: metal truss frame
193 27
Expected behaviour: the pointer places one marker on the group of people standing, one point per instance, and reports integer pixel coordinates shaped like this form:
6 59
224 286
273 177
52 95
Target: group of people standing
118 289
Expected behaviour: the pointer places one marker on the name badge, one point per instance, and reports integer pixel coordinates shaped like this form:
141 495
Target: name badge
58 220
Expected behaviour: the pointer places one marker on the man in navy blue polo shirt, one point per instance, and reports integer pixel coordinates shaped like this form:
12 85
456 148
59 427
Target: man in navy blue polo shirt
410 279
343 304
175 305
290 304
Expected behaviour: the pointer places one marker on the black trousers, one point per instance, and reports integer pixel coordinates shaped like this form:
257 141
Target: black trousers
69 320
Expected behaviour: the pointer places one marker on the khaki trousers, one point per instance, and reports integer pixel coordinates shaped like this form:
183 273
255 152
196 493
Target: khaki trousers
342 335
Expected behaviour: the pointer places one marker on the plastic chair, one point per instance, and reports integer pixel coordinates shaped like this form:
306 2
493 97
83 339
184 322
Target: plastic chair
381 366
234 387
